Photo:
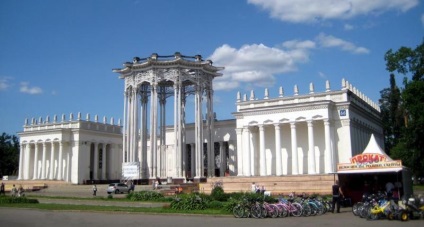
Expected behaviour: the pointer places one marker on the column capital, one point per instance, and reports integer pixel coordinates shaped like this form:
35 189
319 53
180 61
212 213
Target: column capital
239 130
327 122
277 126
310 123
261 127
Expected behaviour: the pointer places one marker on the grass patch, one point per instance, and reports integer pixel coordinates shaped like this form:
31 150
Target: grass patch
158 210
418 187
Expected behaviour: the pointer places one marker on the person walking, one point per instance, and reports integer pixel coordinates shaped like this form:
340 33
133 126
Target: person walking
94 190
337 193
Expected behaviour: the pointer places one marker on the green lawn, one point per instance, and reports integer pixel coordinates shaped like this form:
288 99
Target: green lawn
102 208
67 207
419 188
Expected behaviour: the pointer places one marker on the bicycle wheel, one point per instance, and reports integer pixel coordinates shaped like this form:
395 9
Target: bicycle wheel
272 211
256 211
264 211
297 209
246 212
306 210
329 205
373 215
238 211
314 210
355 208
320 209
365 211
284 211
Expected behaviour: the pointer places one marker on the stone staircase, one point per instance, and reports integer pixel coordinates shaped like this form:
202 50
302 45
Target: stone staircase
28 185
310 184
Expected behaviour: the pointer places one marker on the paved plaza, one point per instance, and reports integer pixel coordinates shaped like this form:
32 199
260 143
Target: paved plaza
34 217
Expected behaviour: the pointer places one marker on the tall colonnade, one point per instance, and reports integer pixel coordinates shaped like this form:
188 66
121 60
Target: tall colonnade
303 134
149 82
73 150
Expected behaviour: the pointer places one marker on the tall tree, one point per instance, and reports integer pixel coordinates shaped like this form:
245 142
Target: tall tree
9 154
410 62
392 114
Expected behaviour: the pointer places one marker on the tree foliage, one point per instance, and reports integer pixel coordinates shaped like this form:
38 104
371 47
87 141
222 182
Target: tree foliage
392 113
9 154
409 145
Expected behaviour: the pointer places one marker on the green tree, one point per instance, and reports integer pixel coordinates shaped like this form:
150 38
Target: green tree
392 114
9 154
410 62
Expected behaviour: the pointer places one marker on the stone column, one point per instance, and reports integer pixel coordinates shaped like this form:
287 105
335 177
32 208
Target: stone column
124 129
239 157
153 127
210 129
52 151
199 131
311 153
222 162
143 158
278 160
162 102
262 157
35 172
21 161
27 159
295 169
68 166
60 162
247 153
328 154
43 162
193 160
96 161
104 162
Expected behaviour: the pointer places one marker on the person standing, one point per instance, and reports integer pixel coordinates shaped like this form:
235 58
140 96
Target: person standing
389 189
253 187
94 190
13 191
2 190
337 193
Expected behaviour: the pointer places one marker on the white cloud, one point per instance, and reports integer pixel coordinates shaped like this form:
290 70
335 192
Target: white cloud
348 27
306 11
331 41
258 64
25 88
4 83
322 75
422 19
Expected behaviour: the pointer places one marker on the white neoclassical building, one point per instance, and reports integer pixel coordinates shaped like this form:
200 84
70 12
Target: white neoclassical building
304 133
74 150
301 134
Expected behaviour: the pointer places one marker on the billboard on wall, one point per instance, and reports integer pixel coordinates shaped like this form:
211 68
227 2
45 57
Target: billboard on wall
131 170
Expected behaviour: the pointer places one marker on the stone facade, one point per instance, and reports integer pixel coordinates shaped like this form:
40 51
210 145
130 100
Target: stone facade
73 150
298 135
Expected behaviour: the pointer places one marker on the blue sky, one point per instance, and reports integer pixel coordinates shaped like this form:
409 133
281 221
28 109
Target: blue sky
57 56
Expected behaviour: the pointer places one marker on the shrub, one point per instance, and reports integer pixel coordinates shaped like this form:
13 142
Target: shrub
145 196
9 199
190 202
215 204
242 197
218 194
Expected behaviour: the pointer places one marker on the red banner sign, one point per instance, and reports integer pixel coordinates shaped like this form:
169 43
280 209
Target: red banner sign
368 158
